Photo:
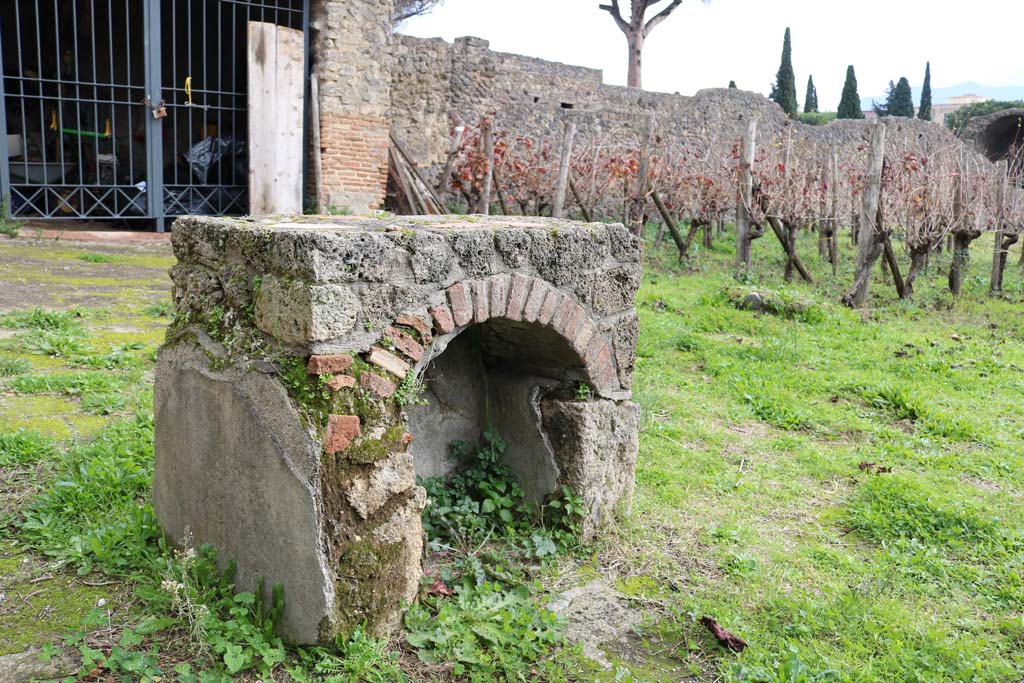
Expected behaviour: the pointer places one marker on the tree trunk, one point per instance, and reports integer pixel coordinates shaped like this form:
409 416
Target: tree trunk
961 252
790 245
894 267
635 41
638 210
918 262
868 245
708 236
587 216
781 233
681 244
961 247
1008 241
745 199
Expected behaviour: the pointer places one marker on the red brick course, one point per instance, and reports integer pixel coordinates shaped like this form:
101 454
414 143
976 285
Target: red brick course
353 157
404 343
339 382
328 365
388 361
417 323
377 385
341 431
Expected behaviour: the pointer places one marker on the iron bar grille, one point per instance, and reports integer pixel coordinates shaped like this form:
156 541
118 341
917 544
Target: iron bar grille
78 125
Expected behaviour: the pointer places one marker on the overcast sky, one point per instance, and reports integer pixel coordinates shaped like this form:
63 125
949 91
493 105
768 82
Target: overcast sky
706 45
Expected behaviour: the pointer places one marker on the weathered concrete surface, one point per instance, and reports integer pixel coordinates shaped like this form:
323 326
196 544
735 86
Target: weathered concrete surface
27 667
596 616
235 468
287 417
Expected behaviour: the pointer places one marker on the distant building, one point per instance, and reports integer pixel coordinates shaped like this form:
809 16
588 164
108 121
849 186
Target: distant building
939 111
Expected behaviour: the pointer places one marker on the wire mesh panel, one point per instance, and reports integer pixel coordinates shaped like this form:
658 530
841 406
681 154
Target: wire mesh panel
72 81
204 60
82 137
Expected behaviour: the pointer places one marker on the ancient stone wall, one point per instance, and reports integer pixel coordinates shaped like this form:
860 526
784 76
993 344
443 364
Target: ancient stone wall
315 366
351 48
434 81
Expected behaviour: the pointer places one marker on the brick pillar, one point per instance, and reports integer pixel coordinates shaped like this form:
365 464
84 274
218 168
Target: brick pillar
351 54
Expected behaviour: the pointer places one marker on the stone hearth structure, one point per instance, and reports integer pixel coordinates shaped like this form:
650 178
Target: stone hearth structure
317 365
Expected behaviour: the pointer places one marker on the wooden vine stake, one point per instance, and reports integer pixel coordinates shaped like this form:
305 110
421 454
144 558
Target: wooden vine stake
1001 250
558 209
869 246
488 179
745 200
449 162
833 214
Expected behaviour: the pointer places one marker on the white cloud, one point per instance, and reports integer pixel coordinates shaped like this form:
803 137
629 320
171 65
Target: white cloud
707 45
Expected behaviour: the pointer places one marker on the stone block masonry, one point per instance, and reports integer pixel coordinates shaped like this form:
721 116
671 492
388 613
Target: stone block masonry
313 367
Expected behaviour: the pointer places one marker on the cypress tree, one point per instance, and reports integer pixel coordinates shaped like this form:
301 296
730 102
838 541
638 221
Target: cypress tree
784 88
849 105
890 98
902 100
925 111
811 101
732 84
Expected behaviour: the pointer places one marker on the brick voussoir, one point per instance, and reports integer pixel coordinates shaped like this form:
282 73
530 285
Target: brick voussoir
481 301
563 314
443 320
517 300
535 299
499 285
583 337
388 361
601 363
576 318
552 301
462 305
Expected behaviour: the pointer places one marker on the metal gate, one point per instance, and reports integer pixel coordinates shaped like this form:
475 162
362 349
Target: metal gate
128 109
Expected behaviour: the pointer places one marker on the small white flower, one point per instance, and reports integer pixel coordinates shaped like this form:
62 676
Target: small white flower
101 602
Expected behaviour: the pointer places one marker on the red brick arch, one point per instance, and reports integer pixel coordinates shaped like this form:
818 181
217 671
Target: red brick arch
515 297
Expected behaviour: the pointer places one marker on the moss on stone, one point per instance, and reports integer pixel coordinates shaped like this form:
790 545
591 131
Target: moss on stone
53 416
368 588
369 448
64 601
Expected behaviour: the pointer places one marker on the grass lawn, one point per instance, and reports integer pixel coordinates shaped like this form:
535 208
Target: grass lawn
842 489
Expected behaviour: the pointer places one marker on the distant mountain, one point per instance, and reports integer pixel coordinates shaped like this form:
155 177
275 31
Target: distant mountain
942 95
